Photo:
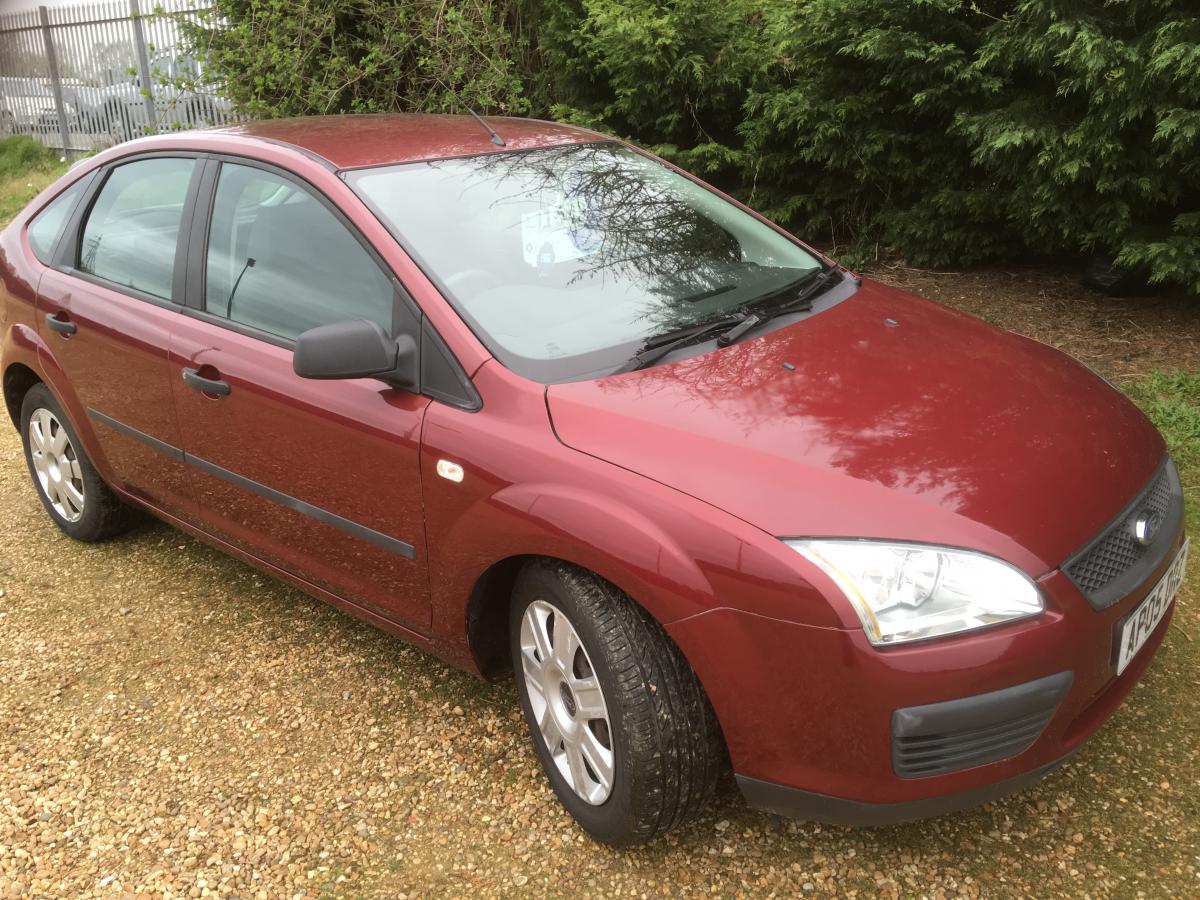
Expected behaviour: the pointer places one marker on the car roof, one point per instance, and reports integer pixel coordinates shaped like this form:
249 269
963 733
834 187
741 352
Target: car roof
355 141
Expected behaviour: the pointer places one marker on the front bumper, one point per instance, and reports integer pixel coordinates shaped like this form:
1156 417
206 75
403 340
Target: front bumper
811 806
809 713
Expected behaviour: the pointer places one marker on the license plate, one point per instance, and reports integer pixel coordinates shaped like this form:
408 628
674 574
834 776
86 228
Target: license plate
1140 624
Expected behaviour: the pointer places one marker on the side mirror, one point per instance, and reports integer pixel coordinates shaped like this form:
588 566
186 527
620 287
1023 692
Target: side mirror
356 349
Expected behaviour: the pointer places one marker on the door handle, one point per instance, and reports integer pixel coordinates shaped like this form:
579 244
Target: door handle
193 379
63 326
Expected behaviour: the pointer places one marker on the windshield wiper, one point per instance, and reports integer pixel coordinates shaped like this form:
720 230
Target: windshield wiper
800 293
731 328
660 345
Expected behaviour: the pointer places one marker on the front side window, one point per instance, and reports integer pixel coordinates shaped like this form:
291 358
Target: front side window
566 259
47 226
279 261
130 233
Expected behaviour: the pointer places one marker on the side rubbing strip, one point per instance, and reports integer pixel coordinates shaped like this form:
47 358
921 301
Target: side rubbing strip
321 515
154 442
315 512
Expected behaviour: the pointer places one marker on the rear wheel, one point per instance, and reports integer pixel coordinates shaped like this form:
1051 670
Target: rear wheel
71 490
620 722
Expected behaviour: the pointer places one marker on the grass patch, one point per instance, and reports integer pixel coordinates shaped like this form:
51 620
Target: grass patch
21 155
26 167
1172 401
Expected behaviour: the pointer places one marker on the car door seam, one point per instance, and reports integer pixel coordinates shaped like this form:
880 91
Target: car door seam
379 538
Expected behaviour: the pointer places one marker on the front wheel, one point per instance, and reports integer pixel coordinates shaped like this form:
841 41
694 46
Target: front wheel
622 726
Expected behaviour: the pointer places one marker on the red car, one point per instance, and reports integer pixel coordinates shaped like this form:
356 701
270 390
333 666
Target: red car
534 400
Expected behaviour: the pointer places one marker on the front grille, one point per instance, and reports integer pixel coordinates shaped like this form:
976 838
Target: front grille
1114 563
973 731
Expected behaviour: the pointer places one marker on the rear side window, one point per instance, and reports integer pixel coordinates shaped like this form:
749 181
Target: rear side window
130 234
47 226
279 261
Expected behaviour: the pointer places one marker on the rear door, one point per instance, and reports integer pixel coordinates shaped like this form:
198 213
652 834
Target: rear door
106 310
319 478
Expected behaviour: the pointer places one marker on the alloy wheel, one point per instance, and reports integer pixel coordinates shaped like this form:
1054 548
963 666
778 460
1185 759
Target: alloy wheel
56 465
567 701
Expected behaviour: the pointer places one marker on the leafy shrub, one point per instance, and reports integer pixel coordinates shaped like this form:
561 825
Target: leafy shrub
673 75
1092 131
848 126
315 57
959 131
953 131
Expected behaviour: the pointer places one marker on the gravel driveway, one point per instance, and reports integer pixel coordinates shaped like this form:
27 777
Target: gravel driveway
173 722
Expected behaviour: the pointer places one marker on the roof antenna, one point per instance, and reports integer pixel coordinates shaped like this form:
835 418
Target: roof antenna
496 139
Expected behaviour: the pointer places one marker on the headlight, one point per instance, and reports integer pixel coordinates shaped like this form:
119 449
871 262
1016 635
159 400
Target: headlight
908 592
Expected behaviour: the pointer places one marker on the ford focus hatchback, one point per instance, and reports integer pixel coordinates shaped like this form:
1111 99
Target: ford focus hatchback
542 404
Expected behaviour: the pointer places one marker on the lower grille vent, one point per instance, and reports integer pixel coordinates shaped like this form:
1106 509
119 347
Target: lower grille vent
959 734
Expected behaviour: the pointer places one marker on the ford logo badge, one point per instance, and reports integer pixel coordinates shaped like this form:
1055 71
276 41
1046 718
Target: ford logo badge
1146 526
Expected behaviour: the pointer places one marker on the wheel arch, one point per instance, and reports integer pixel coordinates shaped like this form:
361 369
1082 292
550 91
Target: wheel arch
18 379
604 534
487 614
490 601
28 361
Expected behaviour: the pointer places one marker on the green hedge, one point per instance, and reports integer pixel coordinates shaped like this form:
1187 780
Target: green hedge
951 132
314 57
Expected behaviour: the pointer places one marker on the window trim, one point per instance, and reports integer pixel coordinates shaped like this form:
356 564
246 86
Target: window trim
197 262
83 182
197 251
66 255
191 250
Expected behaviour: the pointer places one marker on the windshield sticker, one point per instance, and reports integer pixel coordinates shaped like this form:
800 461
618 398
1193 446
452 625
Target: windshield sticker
587 208
569 230
555 235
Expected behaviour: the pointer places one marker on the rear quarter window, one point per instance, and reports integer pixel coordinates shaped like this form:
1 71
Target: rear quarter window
47 226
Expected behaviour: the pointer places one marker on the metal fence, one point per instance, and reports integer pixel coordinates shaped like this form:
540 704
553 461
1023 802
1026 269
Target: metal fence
79 78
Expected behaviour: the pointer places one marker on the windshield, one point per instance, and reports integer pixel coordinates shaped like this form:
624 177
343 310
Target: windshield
566 260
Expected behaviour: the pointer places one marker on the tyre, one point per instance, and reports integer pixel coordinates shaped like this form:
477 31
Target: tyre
622 726
71 490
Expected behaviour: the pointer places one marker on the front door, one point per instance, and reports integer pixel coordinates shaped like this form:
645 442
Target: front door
320 478
107 311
